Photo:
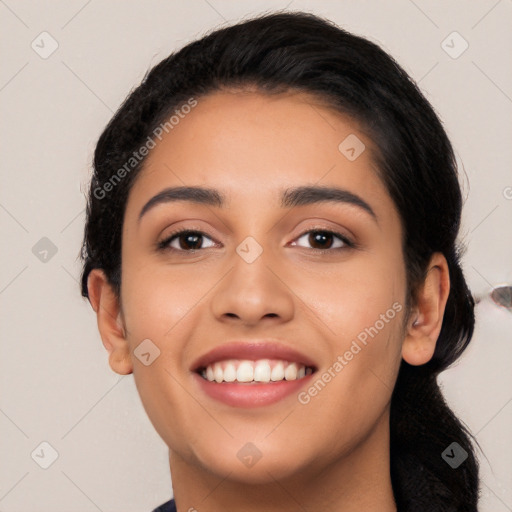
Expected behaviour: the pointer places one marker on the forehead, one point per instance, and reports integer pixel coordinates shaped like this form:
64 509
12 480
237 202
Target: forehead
249 144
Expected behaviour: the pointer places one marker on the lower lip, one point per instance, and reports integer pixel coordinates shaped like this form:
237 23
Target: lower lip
237 394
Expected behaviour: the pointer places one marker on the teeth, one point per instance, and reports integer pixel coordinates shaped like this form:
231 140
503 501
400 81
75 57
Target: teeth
245 372
290 372
230 373
218 374
264 370
277 372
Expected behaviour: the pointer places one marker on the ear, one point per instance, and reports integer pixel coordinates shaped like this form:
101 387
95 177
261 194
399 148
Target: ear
427 315
110 322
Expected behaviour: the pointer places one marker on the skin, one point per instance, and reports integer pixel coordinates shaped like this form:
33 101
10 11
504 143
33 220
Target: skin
333 453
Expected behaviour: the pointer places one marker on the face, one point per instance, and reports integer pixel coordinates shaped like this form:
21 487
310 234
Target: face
265 277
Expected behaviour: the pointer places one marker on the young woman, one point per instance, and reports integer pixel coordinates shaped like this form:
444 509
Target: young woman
270 248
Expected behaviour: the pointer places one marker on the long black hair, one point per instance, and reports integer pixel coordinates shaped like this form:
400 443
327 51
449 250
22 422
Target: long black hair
299 51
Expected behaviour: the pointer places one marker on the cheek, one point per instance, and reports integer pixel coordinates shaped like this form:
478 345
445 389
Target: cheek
165 306
355 387
156 300
354 295
164 312
362 305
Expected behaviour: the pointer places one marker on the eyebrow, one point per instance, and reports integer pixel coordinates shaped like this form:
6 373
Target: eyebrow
291 197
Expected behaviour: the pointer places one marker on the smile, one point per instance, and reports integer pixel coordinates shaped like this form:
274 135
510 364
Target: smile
246 371
252 373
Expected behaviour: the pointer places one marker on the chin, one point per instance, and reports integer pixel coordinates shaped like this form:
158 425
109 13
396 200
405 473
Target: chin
253 463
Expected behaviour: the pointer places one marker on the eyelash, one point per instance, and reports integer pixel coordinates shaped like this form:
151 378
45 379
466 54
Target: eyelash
164 244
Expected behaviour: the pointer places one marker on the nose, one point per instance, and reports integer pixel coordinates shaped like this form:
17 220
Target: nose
251 293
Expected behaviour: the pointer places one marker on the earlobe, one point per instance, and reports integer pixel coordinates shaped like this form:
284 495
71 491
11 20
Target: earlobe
427 317
110 325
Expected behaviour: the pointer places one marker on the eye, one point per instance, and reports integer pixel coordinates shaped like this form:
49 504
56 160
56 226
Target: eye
185 240
324 238
188 240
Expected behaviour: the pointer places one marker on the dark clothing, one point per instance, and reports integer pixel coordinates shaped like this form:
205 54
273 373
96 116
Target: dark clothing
168 506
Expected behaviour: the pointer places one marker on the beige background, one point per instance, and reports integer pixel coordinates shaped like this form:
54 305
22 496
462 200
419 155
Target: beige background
56 385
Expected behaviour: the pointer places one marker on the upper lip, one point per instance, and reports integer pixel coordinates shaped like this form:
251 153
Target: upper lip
252 350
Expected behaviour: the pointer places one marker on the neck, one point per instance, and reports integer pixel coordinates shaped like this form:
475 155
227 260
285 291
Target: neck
360 480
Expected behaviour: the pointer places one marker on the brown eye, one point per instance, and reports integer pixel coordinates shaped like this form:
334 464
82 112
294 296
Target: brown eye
325 239
185 240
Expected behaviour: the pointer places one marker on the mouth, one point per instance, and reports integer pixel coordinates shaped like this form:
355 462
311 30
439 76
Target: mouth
252 374
249 371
